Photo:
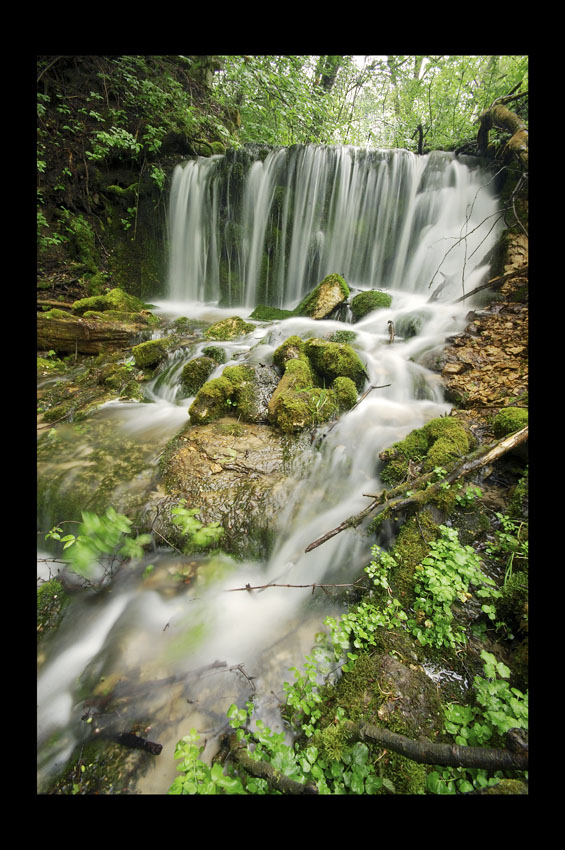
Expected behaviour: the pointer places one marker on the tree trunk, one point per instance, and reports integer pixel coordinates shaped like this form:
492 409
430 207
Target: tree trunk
499 116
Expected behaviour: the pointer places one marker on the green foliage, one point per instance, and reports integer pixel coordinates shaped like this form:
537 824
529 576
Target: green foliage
510 544
109 539
302 697
498 708
100 540
347 769
376 100
199 534
445 577
197 777
359 626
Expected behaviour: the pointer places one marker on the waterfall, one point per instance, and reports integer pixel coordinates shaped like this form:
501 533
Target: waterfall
246 231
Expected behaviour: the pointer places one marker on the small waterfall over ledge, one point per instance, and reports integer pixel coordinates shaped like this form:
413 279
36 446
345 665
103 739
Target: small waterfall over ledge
246 230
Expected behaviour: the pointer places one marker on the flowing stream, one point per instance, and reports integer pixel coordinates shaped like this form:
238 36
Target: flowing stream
244 231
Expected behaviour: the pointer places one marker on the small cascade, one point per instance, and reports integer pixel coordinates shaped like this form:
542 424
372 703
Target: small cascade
248 230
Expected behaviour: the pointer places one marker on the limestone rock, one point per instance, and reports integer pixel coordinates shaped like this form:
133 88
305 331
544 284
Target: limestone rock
237 474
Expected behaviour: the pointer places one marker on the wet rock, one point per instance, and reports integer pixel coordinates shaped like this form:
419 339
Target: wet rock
237 474
323 300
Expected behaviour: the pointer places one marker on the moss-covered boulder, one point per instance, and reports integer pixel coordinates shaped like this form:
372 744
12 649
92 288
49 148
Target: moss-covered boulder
298 404
216 352
334 359
115 299
195 374
240 390
291 349
439 443
264 313
323 300
366 302
150 353
230 328
508 420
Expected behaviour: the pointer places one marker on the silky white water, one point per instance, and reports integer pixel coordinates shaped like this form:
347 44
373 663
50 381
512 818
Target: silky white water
201 639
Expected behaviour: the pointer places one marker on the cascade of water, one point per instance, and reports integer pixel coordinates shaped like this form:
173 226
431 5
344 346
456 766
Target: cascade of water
381 218
243 232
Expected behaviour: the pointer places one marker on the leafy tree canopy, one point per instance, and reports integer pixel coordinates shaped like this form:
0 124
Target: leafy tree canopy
375 100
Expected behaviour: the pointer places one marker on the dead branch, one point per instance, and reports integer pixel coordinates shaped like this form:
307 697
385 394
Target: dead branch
494 283
314 586
450 755
396 498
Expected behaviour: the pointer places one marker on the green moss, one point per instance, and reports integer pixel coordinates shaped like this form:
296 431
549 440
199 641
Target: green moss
345 393
149 353
115 299
412 544
211 401
55 313
368 301
508 420
51 602
334 359
215 352
512 607
324 298
234 392
195 374
264 313
229 328
518 505
343 336
439 443
292 348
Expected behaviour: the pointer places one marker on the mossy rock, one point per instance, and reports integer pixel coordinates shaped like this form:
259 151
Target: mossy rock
215 352
229 328
240 390
195 374
296 404
323 300
51 602
335 359
508 420
264 313
115 299
439 443
345 392
291 349
366 302
150 353
211 401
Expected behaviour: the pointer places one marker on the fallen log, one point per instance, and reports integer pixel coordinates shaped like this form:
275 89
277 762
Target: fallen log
447 755
396 499
83 336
